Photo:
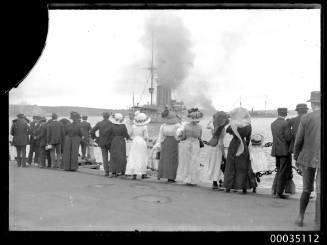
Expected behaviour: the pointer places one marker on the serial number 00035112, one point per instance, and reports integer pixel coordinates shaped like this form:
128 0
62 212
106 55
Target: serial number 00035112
294 238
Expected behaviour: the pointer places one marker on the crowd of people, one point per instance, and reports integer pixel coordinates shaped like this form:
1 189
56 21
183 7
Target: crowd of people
179 143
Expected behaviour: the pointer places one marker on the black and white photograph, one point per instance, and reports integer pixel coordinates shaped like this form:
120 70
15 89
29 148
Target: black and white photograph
170 120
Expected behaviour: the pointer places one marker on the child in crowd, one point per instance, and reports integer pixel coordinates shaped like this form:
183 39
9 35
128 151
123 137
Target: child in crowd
257 155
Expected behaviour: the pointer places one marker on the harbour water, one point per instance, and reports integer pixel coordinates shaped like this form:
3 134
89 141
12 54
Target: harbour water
259 125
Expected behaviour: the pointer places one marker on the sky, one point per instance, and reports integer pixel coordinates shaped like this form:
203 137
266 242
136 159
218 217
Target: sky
97 58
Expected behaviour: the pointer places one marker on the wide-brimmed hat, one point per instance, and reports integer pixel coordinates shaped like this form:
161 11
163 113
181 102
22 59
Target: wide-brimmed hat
257 139
171 118
194 115
282 111
220 119
315 96
301 107
117 118
141 119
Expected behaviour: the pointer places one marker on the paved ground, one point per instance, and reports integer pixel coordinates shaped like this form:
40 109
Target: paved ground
45 199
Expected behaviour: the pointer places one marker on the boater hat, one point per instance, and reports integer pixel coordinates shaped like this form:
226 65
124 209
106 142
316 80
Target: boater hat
141 119
301 107
315 96
118 118
257 139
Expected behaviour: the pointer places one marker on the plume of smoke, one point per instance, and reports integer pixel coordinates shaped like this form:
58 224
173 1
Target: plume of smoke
195 94
172 48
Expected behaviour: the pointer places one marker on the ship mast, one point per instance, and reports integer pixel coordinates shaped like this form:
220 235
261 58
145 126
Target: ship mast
151 89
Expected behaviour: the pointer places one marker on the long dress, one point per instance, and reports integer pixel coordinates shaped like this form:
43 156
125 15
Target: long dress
238 171
73 136
258 158
214 172
189 155
118 160
168 162
138 155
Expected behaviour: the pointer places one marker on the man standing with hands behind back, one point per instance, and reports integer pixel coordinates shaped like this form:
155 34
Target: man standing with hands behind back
307 155
104 141
282 137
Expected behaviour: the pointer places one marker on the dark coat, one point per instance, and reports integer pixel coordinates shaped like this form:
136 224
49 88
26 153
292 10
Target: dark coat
41 136
307 142
32 131
20 131
86 127
294 124
55 133
103 127
282 137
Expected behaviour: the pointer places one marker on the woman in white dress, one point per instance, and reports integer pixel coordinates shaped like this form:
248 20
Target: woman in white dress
216 144
188 170
138 155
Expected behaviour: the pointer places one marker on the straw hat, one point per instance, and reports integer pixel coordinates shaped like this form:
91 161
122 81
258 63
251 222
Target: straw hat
141 119
257 139
194 115
117 118
171 118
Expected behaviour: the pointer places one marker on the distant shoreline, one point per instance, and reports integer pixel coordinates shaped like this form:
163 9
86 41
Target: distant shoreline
64 111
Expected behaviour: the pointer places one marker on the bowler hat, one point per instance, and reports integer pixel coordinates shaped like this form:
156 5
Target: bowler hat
301 106
315 96
282 111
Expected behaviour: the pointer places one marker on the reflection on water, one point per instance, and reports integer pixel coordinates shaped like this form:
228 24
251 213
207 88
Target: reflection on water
259 125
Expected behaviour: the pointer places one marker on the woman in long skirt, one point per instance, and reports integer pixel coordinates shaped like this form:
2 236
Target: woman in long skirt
73 136
216 144
238 171
138 155
188 170
168 145
118 131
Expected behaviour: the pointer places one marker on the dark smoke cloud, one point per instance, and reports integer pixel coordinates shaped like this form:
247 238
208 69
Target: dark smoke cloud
172 48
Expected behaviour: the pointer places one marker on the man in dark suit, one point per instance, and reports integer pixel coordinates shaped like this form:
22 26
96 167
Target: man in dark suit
86 127
20 130
41 138
282 137
294 122
104 140
307 155
34 150
55 137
